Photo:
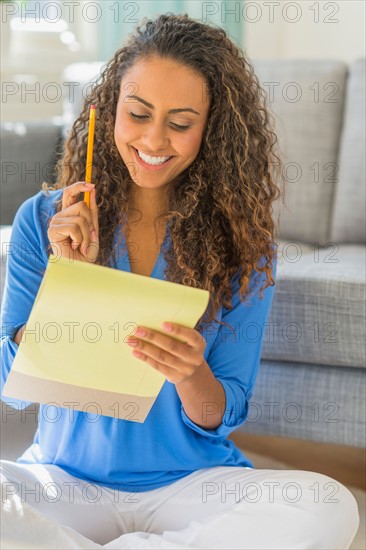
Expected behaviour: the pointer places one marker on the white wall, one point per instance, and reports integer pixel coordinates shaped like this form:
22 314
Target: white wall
319 29
34 55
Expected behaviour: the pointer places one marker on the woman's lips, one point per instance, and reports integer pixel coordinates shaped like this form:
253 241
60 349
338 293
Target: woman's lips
151 167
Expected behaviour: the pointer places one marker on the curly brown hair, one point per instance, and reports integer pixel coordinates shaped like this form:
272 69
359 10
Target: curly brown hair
220 211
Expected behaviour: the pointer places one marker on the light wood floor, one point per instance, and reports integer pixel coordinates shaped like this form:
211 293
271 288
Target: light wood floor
345 464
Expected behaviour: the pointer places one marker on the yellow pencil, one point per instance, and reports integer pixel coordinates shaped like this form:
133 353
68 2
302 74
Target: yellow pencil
89 154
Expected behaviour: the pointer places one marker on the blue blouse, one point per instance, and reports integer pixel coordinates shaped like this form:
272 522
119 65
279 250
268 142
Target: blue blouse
117 453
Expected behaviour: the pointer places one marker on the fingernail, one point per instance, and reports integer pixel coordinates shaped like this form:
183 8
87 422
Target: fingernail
93 235
132 342
90 185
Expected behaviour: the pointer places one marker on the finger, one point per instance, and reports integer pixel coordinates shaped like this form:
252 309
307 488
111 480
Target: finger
61 231
158 357
169 373
175 348
85 227
187 335
79 209
71 192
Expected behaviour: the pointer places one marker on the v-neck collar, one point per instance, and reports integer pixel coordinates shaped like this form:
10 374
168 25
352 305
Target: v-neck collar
123 259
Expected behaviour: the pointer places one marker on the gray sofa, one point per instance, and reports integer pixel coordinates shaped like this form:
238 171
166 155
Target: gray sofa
311 382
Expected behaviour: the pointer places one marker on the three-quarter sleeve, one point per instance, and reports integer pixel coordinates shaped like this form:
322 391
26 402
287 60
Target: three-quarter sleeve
235 358
24 272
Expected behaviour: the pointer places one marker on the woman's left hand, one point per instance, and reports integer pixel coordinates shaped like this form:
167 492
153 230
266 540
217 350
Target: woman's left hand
176 360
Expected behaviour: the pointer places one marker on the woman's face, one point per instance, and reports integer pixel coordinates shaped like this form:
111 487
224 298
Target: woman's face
166 117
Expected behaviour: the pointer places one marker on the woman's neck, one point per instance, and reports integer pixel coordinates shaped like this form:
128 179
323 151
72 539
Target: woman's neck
146 205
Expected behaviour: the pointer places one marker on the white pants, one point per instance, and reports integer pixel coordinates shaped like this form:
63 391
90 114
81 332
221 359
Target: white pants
221 507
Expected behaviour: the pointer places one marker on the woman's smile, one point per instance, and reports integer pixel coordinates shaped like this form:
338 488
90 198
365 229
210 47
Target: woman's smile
154 163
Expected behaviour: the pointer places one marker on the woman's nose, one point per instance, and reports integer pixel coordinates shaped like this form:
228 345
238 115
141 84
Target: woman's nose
155 138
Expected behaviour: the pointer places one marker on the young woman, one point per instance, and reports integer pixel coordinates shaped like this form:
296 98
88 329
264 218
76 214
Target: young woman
184 189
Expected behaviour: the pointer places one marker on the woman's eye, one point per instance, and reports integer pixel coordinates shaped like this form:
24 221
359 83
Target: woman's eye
177 126
138 116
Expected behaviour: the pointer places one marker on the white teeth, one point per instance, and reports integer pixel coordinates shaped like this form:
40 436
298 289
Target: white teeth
152 160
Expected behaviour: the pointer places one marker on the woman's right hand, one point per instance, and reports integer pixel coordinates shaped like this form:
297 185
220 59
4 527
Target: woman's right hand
74 231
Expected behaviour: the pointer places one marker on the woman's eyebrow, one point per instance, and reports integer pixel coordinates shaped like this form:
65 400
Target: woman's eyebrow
152 106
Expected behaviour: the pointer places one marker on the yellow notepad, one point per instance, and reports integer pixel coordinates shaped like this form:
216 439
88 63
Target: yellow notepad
74 351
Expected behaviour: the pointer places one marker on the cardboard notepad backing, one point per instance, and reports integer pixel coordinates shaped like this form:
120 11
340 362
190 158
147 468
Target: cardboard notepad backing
74 351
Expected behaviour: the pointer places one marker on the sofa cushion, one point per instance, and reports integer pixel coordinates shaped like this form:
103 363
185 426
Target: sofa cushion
302 401
306 97
318 310
348 223
28 156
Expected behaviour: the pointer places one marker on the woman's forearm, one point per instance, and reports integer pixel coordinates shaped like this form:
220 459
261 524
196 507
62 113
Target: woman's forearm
203 398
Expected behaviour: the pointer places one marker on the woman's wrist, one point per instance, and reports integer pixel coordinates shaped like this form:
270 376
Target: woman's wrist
18 335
